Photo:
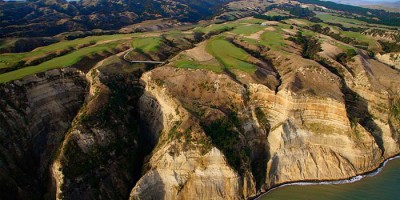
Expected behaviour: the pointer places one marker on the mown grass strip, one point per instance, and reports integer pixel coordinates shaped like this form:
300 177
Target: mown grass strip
59 62
229 55
9 59
147 44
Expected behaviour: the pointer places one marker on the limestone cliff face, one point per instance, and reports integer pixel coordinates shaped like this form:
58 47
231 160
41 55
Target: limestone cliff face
317 125
35 114
195 134
101 155
392 59
183 165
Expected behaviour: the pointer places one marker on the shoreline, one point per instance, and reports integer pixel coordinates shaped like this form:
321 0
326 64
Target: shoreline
330 182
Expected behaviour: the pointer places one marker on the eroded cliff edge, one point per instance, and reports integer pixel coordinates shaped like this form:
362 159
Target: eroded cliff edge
232 137
35 113
195 134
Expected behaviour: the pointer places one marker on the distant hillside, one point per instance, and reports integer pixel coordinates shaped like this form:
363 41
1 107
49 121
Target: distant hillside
364 14
389 5
50 17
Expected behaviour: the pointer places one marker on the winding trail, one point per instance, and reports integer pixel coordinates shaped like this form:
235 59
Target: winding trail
140 61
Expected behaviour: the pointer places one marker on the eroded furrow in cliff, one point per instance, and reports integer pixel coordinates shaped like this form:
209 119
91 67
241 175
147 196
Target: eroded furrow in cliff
103 152
35 114
259 132
243 129
265 68
357 108
110 135
209 124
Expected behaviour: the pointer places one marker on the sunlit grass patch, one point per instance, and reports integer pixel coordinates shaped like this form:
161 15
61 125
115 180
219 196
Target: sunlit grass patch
248 30
58 62
147 44
10 59
229 55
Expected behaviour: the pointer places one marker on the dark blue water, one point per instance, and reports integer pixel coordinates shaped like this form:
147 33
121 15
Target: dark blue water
383 186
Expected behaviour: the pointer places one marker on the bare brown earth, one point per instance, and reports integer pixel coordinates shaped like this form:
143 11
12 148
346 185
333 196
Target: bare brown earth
257 35
199 53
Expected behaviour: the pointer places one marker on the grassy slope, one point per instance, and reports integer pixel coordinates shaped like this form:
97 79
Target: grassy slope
215 28
277 13
248 29
185 63
336 19
274 38
9 59
348 22
344 21
147 44
59 62
361 37
226 53
229 55
251 21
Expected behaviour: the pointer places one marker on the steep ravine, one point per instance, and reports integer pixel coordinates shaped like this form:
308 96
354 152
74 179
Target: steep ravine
35 114
102 154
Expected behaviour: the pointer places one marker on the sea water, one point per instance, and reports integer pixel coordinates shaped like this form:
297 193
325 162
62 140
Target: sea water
383 184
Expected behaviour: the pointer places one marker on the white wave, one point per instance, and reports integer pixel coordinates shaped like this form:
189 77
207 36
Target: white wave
346 181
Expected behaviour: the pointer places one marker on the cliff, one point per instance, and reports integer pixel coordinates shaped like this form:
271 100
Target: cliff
196 134
101 155
317 126
35 114
236 109
392 59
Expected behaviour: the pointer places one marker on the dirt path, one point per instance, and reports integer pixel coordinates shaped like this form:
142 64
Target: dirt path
257 36
199 53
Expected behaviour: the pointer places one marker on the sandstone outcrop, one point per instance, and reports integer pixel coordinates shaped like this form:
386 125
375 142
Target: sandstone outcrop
36 111
177 131
392 59
101 155
317 126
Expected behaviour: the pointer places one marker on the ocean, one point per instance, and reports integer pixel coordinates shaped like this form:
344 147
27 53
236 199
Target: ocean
384 185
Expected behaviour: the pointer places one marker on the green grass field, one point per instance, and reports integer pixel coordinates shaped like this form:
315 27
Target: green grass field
273 39
336 19
226 53
9 59
308 33
215 28
247 29
344 48
270 38
251 21
147 44
277 13
348 22
360 37
193 65
59 62
299 22
229 55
